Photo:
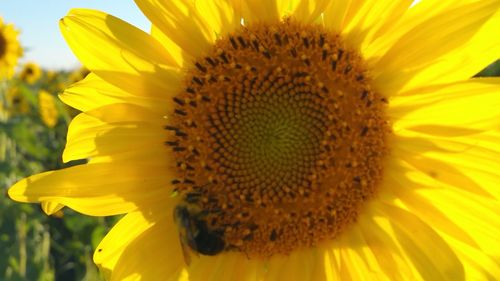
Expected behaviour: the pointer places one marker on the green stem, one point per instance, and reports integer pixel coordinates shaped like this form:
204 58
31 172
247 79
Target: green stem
21 235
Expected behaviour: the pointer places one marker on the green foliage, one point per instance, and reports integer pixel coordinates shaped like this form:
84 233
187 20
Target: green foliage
490 71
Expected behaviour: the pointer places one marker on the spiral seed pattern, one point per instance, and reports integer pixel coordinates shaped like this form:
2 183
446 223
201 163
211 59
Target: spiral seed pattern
278 137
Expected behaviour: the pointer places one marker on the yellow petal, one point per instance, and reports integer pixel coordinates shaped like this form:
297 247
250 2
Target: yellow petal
51 208
274 266
358 261
383 246
260 10
204 267
430 211
114 129
204 21
428 252
121 54
338 13
420 12
298 266
93 92
247 269
100 189
219 15
450 46
142 247
466 221
216 268
352 267
361 22
225 268
331 266
180 56
458 163
476 216
308 11
448 110
478 265
321 266
375 20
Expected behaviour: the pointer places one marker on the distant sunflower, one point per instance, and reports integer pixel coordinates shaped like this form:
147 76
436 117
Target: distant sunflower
286 140
78 74
48 110
16 103
52 76
10 49
30 73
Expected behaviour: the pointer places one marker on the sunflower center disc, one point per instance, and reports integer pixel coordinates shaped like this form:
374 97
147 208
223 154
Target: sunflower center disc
3 45
278 138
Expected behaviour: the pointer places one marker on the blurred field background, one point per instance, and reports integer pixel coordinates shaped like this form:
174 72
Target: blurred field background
33 126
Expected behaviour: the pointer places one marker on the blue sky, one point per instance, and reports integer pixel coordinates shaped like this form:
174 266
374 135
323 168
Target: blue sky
38 22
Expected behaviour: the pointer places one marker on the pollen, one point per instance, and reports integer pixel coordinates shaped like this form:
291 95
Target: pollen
278 137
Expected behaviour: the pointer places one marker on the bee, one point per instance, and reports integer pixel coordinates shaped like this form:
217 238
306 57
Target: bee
194 234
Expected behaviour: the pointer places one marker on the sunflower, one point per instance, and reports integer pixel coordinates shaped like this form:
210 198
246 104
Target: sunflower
17 104
78 74
10 49
286 140
30 73
48 110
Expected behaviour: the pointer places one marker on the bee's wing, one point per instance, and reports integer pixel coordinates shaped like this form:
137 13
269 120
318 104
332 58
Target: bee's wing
186 251
191 231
